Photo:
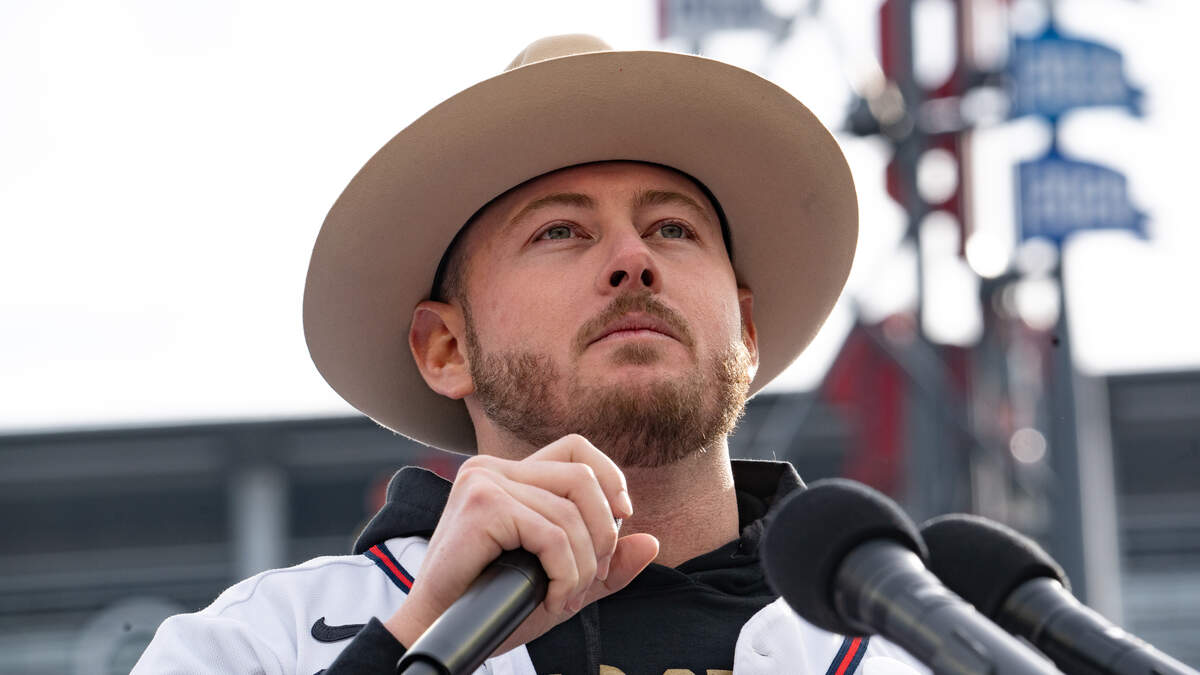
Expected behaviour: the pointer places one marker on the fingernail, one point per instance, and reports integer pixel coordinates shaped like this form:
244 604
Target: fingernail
624 504
602 567
576 604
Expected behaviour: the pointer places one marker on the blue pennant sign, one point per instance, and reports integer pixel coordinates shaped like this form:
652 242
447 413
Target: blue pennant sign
1058 196
1052 74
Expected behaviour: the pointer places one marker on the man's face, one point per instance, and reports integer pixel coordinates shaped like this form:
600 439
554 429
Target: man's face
601 301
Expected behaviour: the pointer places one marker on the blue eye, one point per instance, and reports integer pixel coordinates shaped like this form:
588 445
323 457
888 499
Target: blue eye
557 232
672 230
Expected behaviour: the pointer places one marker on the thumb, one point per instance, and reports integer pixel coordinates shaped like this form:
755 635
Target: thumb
633 554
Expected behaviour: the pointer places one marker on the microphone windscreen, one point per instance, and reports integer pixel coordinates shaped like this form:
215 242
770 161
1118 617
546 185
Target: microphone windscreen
813 530
984 561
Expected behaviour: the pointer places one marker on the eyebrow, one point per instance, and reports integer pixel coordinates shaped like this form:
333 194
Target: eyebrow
649 198
644 199
555 199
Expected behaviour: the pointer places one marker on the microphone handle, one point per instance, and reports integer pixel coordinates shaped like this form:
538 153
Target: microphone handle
462 638
884 588
1076 637
420 668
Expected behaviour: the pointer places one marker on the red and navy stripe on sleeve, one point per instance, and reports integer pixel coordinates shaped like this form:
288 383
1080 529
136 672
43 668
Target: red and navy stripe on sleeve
848 657
383 558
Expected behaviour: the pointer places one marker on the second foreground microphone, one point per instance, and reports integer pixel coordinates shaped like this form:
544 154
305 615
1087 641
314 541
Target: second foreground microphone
848 560
1011 579
475 625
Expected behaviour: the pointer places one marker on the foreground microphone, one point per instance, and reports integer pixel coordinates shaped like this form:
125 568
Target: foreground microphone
1011 579
475 625
848 560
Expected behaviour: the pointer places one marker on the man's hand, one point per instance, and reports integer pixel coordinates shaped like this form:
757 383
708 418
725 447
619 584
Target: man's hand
559 504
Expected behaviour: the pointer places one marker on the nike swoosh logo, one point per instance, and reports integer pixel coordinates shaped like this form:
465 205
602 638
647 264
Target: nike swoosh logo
322 632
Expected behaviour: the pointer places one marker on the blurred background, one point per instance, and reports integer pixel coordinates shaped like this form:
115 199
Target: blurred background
1019 337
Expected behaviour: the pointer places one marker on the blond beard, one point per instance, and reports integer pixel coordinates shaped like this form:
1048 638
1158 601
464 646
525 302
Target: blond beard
647 426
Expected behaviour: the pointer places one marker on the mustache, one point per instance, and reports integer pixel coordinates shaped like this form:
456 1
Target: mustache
640 301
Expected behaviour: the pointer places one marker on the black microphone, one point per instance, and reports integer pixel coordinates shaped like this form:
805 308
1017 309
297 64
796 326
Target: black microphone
474 626
1011 579
848 560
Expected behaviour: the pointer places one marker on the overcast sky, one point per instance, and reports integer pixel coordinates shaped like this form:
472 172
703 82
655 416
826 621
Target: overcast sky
165 167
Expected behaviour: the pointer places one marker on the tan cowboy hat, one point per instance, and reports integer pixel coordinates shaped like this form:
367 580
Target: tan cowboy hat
775 170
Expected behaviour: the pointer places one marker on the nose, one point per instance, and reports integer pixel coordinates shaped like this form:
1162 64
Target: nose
630 266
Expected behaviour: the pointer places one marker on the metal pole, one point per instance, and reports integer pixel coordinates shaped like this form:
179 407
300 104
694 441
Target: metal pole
258 500
1066 544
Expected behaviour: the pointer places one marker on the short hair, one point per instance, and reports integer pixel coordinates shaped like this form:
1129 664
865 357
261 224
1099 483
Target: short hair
450 278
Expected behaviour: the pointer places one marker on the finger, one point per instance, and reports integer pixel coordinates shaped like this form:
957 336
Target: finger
634 553
565 515
576 448
551 545
485 507
573 481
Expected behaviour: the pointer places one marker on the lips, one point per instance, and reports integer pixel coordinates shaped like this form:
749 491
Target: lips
631 312
636 322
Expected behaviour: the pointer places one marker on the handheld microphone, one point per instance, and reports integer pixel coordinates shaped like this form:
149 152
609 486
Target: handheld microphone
848 560
1011 579
475 625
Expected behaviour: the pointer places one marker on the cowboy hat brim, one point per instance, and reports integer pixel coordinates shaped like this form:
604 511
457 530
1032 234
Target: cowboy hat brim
778 174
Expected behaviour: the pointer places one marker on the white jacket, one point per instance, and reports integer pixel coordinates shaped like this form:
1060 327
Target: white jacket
268 625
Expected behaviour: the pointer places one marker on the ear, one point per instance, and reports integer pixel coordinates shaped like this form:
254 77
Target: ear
437 341
749 332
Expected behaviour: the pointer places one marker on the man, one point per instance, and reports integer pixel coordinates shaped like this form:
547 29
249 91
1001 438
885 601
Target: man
595 257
